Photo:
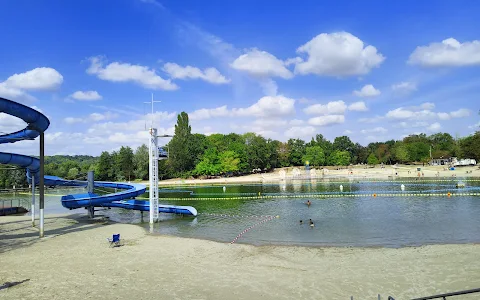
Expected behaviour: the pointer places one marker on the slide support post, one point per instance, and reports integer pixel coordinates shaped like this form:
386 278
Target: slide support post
90 184
41 182
33 201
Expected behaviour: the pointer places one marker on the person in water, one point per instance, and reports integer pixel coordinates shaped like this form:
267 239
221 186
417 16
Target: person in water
308 203
311 223
301 222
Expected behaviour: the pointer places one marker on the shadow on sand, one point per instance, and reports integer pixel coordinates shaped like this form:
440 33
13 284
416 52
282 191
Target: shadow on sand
17 234
7 284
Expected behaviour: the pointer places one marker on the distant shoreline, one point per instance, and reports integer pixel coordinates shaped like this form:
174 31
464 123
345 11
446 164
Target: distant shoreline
355 172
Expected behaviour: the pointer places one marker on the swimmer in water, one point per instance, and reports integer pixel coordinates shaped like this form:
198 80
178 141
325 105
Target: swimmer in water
311 223
308 203
301 222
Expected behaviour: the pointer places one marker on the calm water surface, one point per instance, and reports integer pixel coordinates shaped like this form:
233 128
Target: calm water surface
345 221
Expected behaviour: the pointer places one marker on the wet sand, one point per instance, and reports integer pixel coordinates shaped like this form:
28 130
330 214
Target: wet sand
74 261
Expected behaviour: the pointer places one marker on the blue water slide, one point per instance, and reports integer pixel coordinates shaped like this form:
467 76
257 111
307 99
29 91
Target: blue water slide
38 123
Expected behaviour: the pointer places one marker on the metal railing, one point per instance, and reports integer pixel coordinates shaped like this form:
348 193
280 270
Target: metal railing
379 297
5 205
439 296
453 294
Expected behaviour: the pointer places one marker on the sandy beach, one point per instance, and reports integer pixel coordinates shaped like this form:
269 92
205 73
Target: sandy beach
333 173
74 261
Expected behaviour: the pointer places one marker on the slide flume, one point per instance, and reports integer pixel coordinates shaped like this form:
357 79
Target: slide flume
38 123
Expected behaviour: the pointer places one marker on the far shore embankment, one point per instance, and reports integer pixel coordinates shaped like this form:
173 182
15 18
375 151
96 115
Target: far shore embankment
388 172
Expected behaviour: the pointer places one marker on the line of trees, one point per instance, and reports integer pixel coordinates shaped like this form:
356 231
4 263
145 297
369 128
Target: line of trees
193 154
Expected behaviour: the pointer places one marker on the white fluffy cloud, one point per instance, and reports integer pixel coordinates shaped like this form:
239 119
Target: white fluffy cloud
448 53
443 116
296 122
300 132
331 108
367 91
334 108
125 72
411 124
93 117
475 126
37 79
10 124
326 120
424 112
426 105
374 130
268 106
262 64
86 96
404 87
435 127
404 114
207 113
211 75
337 54
462 112
358 106
72 120
15 94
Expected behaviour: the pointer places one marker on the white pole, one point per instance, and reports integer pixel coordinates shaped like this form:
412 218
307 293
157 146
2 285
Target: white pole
153 170
41 205
33 201
150 165
153 175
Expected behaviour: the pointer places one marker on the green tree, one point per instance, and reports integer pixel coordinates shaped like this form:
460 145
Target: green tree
325 144
199 143
372 159
400 152
257 151
339 158
72 173
343 143
124 163
470 146
314 155
209 165
228 161
141 162
297 151
179 146
418 151
273 154
359 154
283 155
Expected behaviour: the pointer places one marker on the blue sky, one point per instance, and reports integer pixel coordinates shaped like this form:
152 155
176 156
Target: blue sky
372 70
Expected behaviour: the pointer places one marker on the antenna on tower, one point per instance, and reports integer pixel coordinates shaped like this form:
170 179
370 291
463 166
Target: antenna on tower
151 102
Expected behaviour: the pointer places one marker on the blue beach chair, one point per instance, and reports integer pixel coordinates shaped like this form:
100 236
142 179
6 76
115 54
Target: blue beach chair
115 240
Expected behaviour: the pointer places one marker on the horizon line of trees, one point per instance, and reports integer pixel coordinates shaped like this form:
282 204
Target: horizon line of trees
194 154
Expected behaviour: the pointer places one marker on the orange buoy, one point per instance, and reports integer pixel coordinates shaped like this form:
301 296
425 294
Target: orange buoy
374 195
449 194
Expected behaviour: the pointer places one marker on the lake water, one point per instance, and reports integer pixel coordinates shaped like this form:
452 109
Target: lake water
362 220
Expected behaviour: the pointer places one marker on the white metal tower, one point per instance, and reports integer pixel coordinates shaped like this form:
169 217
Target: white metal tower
153 170
153 175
